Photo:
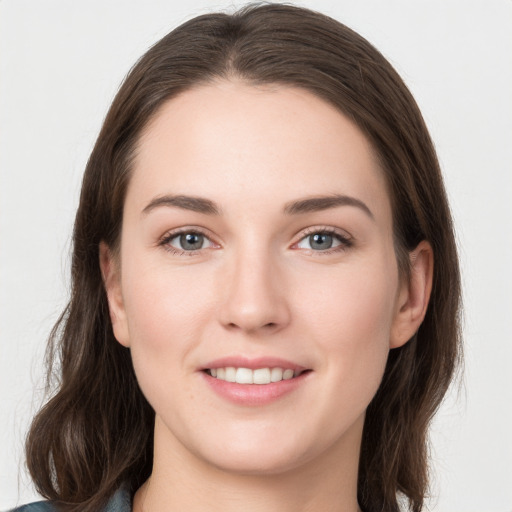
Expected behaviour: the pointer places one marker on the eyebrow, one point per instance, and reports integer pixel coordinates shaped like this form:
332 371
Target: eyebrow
319 203
297 207
193 203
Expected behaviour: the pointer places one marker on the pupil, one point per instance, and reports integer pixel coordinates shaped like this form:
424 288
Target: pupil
320 241
191 241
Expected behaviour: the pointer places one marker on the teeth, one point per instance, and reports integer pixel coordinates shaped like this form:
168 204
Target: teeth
261 376
231 374
244 376
276 374
288 374
248 376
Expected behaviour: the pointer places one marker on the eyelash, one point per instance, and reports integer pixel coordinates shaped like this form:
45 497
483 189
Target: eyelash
168 237
346 242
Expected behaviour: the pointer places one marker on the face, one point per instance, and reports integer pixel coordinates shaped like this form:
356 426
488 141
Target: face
257 247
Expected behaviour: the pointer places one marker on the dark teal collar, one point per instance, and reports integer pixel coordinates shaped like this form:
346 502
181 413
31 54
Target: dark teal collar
120 502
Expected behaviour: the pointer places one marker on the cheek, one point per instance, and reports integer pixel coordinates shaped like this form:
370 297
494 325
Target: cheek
352 318
166 312
353 300
164 325
163 303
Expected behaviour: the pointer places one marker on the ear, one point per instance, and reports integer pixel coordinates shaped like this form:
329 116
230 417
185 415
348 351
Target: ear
111 273
413 296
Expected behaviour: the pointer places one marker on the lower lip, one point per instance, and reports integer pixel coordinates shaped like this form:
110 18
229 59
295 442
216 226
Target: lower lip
254 394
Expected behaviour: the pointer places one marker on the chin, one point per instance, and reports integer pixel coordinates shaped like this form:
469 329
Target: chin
259 464
259 453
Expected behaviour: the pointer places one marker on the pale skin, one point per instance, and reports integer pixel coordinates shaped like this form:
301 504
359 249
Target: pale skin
257 284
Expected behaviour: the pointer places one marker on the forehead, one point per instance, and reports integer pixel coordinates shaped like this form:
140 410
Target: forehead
230 140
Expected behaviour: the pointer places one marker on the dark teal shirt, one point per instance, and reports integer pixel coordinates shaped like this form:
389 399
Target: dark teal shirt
120 502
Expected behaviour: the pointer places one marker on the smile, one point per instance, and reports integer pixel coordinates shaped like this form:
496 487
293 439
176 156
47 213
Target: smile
254 382
252 376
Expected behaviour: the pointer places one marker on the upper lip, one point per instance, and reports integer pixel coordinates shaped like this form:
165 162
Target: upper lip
253 363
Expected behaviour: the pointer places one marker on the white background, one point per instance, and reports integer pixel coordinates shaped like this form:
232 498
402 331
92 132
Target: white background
60 65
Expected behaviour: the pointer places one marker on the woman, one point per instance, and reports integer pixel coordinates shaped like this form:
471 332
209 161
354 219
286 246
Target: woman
265 287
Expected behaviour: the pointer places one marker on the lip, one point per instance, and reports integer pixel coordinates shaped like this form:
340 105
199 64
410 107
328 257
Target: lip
253 395
253 364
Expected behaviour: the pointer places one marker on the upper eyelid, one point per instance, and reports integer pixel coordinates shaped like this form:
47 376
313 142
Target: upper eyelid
323 229
173 233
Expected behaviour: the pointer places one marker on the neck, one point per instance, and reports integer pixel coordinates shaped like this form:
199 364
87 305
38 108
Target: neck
327 483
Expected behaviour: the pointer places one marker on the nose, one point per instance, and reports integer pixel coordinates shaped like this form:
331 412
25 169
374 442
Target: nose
254 296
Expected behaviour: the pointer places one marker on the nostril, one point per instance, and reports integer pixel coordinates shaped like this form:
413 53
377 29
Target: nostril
270 325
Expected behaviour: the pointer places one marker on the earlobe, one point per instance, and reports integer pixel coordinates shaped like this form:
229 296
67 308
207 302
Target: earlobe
414 296
111 275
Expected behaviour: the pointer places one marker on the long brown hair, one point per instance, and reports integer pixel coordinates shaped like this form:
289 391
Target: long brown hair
95 433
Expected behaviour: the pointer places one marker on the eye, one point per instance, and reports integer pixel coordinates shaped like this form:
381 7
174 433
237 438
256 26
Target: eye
186 242
324 241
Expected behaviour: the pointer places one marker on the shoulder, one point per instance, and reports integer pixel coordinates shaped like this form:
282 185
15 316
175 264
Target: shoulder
120 502
39 506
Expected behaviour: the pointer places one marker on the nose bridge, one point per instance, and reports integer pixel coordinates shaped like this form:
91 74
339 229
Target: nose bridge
254 292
